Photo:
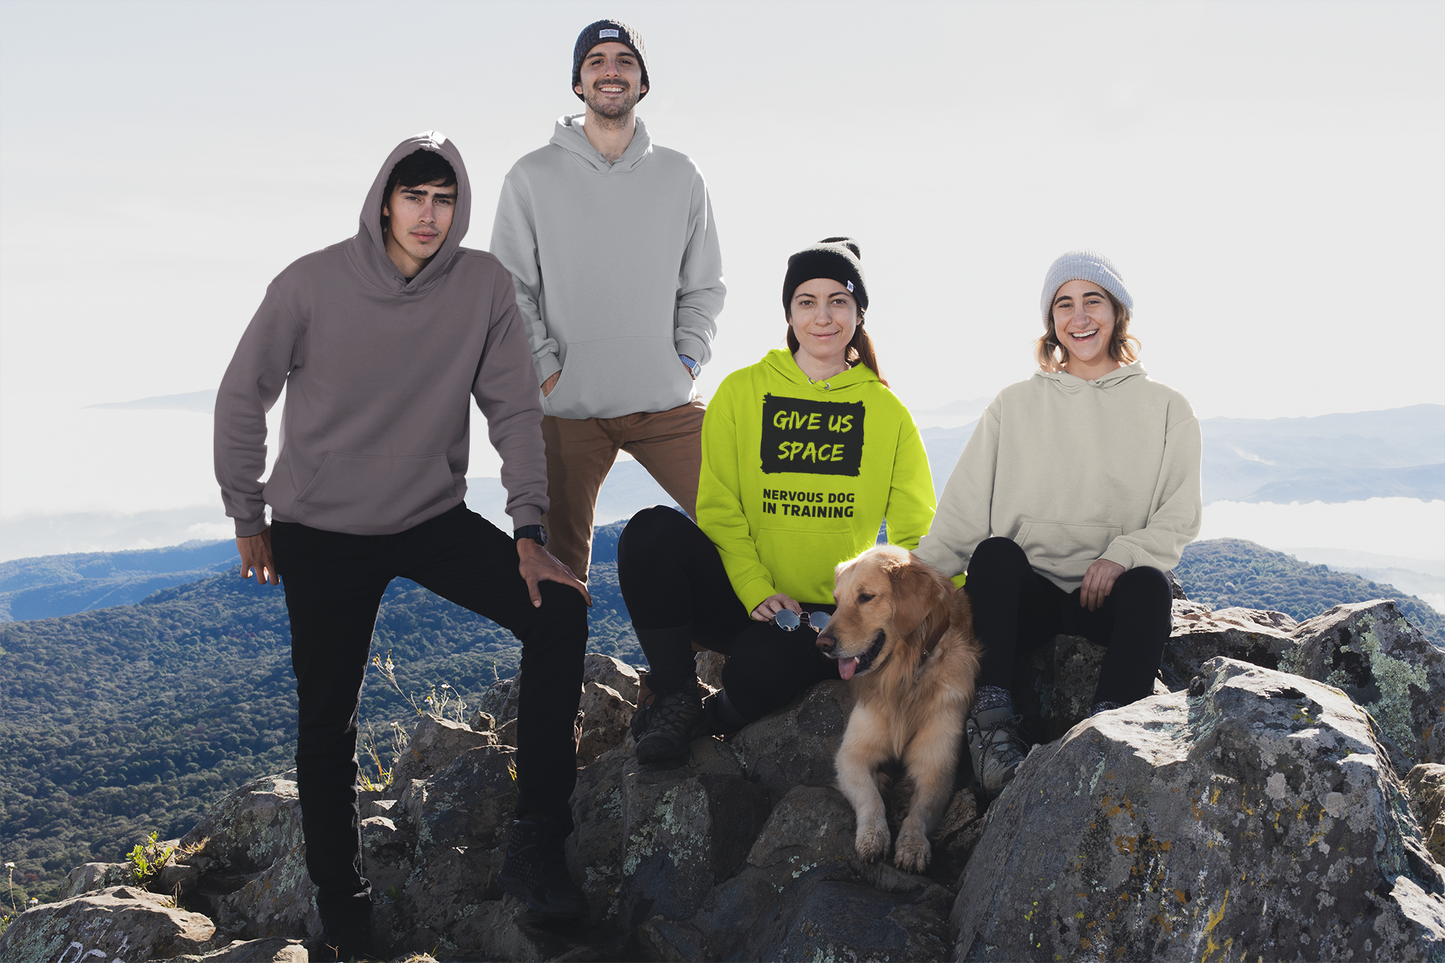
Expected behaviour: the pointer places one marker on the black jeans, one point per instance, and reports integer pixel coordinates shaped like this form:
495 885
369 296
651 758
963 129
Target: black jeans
334 583
1016 610
672 579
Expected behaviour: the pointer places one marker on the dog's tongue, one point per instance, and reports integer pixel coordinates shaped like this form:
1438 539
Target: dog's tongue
846 667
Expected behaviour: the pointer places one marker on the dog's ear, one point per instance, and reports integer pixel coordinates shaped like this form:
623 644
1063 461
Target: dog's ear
917 592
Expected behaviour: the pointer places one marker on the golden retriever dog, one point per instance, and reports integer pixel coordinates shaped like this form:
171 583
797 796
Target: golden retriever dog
904 637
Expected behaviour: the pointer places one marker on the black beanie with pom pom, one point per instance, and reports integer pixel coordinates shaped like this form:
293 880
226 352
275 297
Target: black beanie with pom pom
839 258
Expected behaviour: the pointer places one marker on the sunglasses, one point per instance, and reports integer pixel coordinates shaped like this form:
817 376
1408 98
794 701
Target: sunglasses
788 620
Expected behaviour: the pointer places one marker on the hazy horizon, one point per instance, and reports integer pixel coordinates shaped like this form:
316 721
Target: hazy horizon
1266 175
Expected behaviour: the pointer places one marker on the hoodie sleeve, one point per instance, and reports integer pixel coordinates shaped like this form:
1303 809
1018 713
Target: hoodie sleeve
700 289
964 510
910 500
1178 508
270 348
508 397
719 507
514 242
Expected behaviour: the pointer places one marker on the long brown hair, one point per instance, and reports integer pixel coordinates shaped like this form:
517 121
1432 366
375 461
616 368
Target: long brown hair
860 348
1123 347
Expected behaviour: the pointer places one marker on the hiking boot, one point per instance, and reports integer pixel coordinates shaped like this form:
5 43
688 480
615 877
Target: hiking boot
996 745
667 725
535 869
345 931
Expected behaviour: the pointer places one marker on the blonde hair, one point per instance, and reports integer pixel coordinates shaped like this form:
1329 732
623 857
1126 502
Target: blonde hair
1123 348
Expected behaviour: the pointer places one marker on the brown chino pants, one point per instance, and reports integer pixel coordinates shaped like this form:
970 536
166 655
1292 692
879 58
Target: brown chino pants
581 451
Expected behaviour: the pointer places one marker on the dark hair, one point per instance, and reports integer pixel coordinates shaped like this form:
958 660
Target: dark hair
421 166
1123 348
860 348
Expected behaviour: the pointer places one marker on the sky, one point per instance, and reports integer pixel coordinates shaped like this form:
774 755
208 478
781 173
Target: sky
1267 176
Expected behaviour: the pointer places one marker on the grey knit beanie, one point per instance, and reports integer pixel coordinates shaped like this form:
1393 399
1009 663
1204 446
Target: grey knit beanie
1083 266
607 31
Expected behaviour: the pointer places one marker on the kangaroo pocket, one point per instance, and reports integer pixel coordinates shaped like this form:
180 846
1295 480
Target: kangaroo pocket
1064 549
374 494
619 376
802 562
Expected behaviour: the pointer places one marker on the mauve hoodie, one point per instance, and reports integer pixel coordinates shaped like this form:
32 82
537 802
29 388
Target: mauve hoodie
379 376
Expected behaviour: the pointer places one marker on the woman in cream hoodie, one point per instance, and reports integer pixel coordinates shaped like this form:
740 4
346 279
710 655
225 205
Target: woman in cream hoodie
1077 491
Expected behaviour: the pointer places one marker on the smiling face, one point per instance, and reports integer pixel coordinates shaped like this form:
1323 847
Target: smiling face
1083 319
418 220
611 80
823 317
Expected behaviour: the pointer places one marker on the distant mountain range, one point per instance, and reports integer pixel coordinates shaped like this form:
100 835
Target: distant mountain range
1329 458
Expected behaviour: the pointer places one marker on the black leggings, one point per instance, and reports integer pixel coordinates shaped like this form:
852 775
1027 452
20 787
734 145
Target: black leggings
1016 610
334 583
678 592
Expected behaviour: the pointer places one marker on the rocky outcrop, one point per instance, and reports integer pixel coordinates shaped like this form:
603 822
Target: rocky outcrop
1368 649
1426 785
1384 664
1257 813
1163 830
119 923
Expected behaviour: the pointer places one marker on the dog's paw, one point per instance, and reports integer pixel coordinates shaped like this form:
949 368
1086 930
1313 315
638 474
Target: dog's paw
913 852
872 842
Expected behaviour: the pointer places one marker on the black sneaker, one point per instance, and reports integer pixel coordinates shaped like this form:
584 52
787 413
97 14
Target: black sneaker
535 869
668 726
345 932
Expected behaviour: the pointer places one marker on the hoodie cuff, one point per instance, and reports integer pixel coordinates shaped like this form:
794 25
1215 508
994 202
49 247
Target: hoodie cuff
694 349
755 594
526 515
1120 555
246 527
546 366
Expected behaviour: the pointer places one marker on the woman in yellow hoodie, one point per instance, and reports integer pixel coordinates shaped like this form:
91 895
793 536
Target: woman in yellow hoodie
1077 491
804 455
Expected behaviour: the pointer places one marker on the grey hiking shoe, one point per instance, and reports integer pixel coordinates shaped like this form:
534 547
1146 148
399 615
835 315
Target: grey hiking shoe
996 745
664 728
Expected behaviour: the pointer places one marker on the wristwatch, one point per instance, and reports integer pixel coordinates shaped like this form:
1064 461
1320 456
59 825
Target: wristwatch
536 533
692 366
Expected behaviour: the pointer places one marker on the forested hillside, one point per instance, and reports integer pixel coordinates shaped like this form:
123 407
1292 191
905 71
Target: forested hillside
1231 571
121 721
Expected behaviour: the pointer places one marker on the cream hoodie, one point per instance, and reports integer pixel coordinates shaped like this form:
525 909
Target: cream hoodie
1074 471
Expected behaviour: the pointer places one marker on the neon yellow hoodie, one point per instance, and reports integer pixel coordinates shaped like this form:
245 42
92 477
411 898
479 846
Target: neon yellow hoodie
797 476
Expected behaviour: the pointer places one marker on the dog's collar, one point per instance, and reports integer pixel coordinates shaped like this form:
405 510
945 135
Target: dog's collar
929 645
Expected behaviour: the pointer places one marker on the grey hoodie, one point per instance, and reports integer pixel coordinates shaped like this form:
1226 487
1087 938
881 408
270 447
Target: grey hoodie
618 271
1074 471
379 376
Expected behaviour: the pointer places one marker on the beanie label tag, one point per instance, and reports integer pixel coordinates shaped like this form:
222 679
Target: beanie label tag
850 286
609 32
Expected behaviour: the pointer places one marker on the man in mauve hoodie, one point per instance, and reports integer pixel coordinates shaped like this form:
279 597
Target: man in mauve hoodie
381 342
612 244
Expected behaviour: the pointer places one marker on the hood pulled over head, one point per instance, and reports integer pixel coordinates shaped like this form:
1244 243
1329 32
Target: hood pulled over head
371 238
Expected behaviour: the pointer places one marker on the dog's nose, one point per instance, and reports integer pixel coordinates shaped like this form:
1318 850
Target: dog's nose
826 643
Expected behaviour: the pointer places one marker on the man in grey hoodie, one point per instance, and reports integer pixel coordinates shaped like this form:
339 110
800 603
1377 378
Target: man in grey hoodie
611 242
381 342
